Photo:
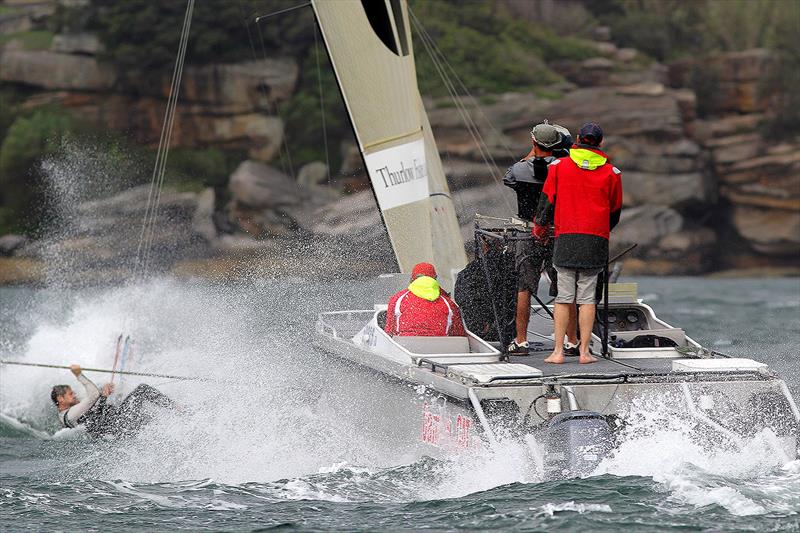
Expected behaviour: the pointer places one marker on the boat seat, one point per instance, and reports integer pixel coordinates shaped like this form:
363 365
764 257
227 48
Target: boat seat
675 334
434 345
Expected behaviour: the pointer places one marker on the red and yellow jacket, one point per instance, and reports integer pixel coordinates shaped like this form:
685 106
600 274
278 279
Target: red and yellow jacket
583 196
423 310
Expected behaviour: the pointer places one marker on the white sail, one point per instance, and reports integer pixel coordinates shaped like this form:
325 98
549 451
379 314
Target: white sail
369 43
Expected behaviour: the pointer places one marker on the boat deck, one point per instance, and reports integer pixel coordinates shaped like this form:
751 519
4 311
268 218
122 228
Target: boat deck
648 366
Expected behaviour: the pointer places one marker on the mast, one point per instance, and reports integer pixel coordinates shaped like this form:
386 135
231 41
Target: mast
369 44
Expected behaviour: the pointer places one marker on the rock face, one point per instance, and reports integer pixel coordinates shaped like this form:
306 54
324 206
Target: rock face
103 236
10 243
314 173
240 87
735 77
226 105
686 180
268 203
54 70
690 183
77 43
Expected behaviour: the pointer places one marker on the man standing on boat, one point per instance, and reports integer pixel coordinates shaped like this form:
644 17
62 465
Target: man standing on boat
583 197
423 309
527 177
99 417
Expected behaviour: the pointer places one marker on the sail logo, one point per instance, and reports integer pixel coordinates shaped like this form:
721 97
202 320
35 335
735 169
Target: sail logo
399 174
405 174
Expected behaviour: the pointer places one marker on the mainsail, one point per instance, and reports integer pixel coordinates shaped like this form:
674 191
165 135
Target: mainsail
369 43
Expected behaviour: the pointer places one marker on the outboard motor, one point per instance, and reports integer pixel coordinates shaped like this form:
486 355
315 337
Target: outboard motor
575 443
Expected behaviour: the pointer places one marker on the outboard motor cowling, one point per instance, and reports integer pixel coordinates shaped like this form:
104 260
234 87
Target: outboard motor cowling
575 443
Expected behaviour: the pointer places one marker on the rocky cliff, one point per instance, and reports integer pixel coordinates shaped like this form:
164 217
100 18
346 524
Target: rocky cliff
701 194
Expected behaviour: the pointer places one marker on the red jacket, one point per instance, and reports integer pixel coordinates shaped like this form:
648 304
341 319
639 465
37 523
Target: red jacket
423 310
583 196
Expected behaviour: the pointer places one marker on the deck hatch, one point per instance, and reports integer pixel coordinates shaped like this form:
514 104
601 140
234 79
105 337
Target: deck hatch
492 373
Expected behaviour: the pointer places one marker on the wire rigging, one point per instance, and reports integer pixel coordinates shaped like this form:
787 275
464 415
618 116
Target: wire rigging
441 65
322 108
146 236
284 144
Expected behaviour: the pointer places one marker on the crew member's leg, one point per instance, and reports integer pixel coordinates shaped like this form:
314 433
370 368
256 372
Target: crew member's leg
572 326
528 265
523 315
560 318
586 319
586 288
564 301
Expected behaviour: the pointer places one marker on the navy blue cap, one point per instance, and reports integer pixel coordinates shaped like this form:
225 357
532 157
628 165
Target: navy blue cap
591 129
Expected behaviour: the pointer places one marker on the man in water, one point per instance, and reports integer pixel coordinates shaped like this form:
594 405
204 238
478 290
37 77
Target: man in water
97 415
583 197
423 309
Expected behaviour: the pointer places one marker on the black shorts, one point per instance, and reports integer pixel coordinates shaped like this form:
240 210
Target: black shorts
529 261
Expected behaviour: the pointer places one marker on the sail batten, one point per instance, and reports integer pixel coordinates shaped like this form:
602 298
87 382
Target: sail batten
369 43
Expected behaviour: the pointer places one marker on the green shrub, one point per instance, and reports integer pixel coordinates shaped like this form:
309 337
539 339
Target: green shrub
31 40
141 36
303 113
27 141
198 168
489 50
671 29
782 85
8 111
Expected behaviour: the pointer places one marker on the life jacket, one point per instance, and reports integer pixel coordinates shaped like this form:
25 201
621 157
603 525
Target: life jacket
92 419
583 196
423 310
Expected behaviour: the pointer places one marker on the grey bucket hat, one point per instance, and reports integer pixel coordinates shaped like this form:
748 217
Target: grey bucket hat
545 135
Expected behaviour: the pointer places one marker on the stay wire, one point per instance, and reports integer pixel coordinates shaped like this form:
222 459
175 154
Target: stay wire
466 91
472 128
285 144
144 249
438 57
170 129
153 179
322 107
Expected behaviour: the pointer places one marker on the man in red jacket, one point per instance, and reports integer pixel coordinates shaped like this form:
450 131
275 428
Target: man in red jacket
583 196
423 309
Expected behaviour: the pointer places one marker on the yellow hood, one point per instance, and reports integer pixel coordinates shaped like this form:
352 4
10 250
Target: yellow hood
425 287
587 159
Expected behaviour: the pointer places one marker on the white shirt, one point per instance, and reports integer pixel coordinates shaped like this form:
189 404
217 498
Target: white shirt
69 417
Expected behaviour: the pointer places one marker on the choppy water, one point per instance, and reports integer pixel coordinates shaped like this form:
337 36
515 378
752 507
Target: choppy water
295 440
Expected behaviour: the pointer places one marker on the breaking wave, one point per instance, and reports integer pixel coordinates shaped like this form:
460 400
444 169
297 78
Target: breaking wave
276 420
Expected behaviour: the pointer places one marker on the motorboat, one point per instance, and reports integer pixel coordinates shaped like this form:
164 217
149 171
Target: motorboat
474 394
468 393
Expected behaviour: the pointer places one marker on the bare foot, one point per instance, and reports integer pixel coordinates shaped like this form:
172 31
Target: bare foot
555 358
586 359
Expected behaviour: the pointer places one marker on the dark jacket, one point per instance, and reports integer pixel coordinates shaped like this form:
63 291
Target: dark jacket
583 196
527 178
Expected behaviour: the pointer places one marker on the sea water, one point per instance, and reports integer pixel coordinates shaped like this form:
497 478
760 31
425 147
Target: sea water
283 436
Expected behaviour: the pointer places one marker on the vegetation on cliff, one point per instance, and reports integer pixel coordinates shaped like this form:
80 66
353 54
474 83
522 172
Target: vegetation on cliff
676 29
504 46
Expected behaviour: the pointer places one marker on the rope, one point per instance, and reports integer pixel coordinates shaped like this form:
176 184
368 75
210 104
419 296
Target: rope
464 88
282 11
322 108
285 144
106 371
144 247
439 61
